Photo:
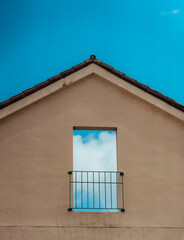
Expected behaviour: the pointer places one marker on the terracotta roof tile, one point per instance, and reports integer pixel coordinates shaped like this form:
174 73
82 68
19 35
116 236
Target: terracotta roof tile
144 87
42 84
30 91
99 62
79 66
5 103
129 79
107 67
118 73
67 72
88 61
17 97
55 78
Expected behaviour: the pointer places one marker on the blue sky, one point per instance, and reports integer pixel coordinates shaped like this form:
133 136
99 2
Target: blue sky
88 134
144 39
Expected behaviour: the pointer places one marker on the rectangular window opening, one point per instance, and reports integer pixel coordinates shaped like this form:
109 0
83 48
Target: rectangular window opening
94 181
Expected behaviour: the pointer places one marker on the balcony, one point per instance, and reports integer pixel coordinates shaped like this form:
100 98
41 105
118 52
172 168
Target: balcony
96 191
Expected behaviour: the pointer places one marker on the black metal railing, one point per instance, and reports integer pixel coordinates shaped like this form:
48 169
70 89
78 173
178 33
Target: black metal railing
96 191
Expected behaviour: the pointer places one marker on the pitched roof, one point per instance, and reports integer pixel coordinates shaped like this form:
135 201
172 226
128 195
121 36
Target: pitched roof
80 66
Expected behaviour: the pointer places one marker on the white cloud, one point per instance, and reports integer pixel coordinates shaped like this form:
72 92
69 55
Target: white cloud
175 11
97 154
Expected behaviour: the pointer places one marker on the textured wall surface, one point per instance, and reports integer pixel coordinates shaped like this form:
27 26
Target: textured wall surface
36 155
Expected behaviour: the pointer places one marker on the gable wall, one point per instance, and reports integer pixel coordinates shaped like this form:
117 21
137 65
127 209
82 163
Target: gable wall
36 154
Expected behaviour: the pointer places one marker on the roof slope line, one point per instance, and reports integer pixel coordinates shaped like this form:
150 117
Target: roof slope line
82 65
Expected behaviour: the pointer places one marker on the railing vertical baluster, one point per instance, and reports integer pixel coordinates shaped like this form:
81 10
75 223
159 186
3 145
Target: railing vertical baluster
75 189
81 192
70 191
99 187
87 189
122 209
117 188
122 192
105 186
111 187
93 189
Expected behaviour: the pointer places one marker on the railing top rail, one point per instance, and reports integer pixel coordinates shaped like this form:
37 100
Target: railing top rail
99 171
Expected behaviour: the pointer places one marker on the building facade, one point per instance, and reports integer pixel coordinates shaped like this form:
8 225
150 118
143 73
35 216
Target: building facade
36 148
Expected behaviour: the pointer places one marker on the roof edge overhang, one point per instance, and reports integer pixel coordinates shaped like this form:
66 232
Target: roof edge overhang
88 67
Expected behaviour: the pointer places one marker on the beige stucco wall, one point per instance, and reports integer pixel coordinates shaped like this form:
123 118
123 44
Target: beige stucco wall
36 154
